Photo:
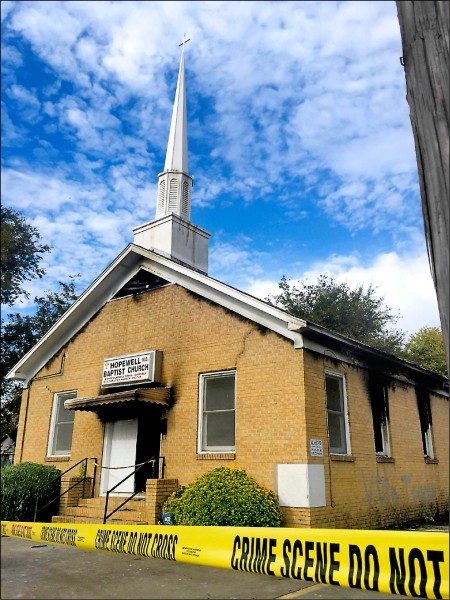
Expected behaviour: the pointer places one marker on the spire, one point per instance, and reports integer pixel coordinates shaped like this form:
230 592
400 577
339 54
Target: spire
177 148
172 234
174 183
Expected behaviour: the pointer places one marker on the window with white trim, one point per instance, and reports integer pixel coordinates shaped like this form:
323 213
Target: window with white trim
61 426
217 422
337 417
379 400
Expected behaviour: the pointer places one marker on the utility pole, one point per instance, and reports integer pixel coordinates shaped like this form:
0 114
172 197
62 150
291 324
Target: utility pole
424 28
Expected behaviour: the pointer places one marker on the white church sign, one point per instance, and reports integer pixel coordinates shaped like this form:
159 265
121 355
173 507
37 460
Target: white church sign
143 367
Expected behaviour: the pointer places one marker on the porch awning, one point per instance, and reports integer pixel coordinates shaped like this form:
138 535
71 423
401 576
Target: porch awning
150 395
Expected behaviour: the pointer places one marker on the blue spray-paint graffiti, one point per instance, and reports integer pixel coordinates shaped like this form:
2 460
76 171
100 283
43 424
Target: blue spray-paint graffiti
379 489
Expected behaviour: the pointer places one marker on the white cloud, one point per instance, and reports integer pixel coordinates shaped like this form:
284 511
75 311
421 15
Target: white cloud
75 218
22 95
305 109
374 156
11 133
6 7
235 261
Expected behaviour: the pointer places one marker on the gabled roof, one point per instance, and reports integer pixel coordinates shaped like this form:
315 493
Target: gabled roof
115 277
161 270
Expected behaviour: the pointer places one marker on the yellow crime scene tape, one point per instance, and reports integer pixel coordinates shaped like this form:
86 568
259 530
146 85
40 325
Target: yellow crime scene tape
396 562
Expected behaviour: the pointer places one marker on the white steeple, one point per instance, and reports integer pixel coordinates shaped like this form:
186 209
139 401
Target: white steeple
177 148
174 183
171 233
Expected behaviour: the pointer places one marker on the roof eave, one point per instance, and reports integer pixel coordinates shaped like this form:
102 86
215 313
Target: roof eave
364 349
89 302
115 276
130 260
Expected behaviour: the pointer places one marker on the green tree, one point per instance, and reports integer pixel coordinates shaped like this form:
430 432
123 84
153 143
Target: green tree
21 253
426 349
19 334
357 313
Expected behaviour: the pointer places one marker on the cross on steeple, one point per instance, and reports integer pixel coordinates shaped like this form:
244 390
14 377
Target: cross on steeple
185 41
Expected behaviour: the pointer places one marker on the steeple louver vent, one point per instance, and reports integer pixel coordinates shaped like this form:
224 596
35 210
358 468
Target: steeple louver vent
173 195
185 206
161 196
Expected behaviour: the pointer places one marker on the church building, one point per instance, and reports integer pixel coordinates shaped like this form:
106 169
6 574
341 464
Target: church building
159 373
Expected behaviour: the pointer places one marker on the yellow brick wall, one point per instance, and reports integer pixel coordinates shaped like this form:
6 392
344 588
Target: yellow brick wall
364 492
195 337
272 381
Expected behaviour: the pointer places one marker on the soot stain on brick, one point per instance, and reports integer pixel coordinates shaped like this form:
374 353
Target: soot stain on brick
262 330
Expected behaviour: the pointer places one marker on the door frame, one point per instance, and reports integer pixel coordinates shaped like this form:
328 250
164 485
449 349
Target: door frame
106 457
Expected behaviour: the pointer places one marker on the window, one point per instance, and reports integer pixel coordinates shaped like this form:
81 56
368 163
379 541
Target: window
423 404
379 400
427 442
61 426
217 412
382 442
338 433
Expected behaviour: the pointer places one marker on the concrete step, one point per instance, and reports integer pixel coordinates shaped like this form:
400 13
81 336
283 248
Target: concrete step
113 501
91 510
97 512
99 521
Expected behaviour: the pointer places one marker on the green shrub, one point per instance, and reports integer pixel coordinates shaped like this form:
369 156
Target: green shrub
224 496
19 487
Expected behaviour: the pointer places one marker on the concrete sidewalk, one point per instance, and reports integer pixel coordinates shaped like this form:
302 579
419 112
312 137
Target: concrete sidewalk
32 570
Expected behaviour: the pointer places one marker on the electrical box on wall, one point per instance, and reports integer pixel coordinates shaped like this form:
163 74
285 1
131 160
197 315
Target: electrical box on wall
301 485
141 367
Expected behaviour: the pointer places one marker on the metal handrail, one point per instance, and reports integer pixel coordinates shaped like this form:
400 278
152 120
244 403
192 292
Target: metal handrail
105 514
83 460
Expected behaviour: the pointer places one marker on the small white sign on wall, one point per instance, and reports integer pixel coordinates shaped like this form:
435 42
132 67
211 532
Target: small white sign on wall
315 447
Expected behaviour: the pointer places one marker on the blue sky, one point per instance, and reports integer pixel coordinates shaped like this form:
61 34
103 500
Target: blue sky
300 142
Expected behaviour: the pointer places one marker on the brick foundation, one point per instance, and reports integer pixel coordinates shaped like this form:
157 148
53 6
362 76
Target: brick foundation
157 491
71 498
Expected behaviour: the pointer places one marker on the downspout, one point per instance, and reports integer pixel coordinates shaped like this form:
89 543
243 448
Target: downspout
25 419
60 372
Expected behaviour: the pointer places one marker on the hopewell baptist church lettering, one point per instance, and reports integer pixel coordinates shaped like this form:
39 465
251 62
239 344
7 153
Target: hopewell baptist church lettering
127 369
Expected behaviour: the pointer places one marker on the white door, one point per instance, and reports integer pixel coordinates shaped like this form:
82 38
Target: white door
119 450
